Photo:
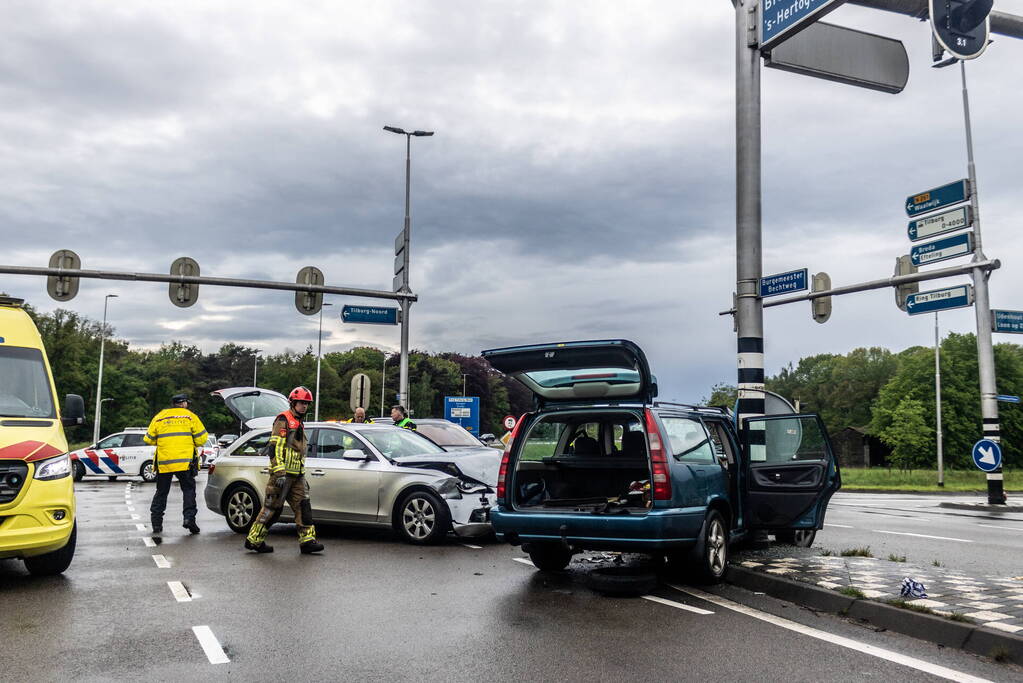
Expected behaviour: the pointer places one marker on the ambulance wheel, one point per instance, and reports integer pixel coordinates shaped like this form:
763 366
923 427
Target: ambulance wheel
148 472
56 562
77 470
111 478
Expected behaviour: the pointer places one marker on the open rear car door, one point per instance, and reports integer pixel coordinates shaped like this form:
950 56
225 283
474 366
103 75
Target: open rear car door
790 472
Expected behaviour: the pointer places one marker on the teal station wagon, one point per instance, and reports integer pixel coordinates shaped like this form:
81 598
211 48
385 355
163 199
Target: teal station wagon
600 465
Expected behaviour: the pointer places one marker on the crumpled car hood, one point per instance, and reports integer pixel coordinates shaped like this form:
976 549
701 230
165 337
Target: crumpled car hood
482 464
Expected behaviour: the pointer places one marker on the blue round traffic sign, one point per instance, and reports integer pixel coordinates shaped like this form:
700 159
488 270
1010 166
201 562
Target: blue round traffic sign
987 455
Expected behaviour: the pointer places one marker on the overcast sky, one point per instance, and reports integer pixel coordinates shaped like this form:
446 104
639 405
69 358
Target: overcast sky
580 183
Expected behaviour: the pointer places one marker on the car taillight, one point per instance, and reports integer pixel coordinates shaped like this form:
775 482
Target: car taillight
502 474
658 459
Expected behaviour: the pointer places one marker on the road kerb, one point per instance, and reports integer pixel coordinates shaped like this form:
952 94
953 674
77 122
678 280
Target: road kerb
935 629
982 507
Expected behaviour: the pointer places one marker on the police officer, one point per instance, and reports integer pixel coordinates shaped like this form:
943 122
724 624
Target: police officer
400 417
287 478
359 416
176 432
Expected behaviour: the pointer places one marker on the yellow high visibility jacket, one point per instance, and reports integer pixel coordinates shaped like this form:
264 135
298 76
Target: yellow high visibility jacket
176 432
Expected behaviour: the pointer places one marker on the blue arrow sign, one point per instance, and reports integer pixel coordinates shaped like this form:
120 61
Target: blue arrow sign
373 315
1006 398
939 197
783 283
940 223
1007 321
781 19
959 296
943 249
987 455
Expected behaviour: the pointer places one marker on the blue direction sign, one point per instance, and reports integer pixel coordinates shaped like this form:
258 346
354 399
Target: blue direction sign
464 410
780 19
940 223
959 296
1006 398
943 249
987 455
783 283
938 198
1007 321
373 315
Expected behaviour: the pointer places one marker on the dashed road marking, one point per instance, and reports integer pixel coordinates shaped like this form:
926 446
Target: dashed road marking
676 605
161 561
995 526
210 645
149 543
939 538
131 508
841 641
135 517
179 591
474 547
523 561
140 527
840 526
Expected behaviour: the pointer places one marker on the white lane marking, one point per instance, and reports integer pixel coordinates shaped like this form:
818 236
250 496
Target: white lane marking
131 508
995 526
474 547
523 561
179 592
150 543
841 526
210 645
906 533
161 561
140 527
866 648
677 605
135 517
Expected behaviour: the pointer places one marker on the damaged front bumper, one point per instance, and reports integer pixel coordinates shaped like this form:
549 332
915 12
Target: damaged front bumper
470 508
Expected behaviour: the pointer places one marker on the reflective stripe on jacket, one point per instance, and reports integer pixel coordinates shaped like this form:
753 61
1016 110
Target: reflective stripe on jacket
288 443
406 424
176 432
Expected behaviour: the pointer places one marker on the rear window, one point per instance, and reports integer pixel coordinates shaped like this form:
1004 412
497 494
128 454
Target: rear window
258 404
24 384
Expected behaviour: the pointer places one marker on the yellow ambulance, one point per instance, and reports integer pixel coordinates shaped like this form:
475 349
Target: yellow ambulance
37 498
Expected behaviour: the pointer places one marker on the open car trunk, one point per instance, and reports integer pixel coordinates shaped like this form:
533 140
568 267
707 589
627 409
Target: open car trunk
593 462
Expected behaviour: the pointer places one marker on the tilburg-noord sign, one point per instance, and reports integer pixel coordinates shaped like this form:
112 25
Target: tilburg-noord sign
373 315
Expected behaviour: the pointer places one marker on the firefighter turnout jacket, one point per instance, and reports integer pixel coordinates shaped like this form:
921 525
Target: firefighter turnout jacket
288 445
176 432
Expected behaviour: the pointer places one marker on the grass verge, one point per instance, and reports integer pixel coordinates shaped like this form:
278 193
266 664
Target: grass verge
857 552
884 479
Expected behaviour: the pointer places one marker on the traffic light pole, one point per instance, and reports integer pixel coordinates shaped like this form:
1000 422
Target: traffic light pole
982 308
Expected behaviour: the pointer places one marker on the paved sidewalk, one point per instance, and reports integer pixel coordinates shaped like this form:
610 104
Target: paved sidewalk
991 601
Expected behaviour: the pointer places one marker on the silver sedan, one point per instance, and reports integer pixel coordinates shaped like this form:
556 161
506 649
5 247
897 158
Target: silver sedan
367 475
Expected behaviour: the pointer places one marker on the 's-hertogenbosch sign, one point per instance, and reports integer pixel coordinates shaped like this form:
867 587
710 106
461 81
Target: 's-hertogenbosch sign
939 223
783 283
780 19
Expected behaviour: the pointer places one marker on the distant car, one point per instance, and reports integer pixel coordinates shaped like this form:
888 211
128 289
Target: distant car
210 450
122 454
225 440
367 474
442 432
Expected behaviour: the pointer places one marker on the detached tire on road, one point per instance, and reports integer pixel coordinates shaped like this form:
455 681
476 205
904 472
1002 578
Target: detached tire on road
622 580
56 562
801 538
423 518
549 557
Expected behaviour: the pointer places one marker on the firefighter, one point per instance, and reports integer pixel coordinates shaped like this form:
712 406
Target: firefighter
400 417
176 432
287 478
359 416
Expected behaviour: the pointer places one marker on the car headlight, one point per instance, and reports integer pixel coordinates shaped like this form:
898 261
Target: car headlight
53 468
471 487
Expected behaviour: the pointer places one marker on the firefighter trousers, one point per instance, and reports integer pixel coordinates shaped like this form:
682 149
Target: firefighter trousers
294 489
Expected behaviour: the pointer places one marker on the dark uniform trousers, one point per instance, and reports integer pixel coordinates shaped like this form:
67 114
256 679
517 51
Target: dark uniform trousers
186 480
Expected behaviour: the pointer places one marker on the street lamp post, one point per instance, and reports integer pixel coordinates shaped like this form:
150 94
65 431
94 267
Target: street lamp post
403 380
383 381
99 376
464 375
319 354
255 366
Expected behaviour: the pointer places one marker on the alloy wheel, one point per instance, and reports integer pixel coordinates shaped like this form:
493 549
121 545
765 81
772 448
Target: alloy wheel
717 549
418 518
240 508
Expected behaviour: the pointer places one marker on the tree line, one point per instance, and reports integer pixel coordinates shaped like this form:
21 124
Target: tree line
138 383
892 396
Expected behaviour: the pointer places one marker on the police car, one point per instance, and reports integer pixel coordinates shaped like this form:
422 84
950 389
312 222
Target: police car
123 454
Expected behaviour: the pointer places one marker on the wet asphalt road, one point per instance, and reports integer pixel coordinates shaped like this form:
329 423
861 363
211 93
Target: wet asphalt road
372 608
977 542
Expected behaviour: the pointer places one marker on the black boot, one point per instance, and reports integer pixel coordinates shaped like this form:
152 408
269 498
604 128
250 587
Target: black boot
261 548
191 526
158 527
311 547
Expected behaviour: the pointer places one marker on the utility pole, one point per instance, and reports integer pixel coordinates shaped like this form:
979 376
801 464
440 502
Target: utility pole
403 397
937 399
982 308
464 376
319 354
255 367
99 376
